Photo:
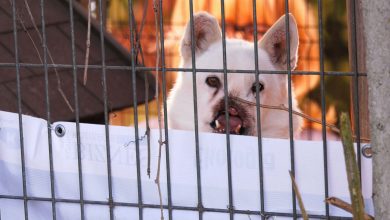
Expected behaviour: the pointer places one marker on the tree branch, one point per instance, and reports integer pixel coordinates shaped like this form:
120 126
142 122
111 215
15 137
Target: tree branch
352 168
284 108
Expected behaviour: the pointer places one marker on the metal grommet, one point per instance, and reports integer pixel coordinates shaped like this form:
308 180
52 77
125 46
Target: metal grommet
60 130
367 151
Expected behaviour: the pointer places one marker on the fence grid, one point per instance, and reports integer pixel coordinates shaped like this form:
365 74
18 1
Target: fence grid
135 67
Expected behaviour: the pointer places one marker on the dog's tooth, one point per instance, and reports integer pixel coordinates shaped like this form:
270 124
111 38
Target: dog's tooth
237 130
217 124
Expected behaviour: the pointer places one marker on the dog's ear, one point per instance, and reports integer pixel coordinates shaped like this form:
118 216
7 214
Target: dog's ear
274 42
206 32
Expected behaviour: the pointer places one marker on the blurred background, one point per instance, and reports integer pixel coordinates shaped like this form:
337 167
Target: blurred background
239 24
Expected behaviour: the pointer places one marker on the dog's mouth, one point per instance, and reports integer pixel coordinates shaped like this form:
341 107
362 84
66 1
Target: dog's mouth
236 123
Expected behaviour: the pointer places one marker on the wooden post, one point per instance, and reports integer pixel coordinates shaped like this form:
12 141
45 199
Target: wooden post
376 20
360 51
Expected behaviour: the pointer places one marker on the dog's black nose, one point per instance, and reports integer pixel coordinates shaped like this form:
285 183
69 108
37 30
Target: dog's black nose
213 125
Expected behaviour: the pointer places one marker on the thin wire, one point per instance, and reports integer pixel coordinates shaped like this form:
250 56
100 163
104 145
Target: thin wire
135 140
77 113
323 106
18 88
133 77
164 94
169 69
195 99
258 111
138 50
289 87
45 54
183 208
225 87
355 82
105 100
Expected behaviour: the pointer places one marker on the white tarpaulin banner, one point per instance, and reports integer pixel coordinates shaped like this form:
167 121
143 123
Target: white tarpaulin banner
309 168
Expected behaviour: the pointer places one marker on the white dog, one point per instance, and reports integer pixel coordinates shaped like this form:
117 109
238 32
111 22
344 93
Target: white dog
210 86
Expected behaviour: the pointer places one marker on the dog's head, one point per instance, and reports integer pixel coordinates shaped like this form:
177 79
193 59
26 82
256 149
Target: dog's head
212 89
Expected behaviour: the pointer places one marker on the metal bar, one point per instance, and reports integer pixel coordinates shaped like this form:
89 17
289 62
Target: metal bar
226 95
105 100
290 121
173 24
258 111
187 208
19 95
355 83
103 13
164 91
168 69
195 99
364 122
77 112
136 131
32 28
323 106
45 53
138 50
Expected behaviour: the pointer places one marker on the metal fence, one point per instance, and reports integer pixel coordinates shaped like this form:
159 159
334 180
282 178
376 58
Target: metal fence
135 67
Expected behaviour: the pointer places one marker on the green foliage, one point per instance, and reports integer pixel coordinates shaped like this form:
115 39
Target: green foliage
337 92
337 88
118 12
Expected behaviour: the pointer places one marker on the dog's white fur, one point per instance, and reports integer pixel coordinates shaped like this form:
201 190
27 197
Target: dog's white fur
239 56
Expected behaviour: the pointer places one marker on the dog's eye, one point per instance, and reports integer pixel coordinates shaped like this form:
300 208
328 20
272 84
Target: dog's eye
213 81
261 87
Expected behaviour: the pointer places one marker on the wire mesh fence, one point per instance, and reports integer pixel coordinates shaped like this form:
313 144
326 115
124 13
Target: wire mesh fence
34 22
